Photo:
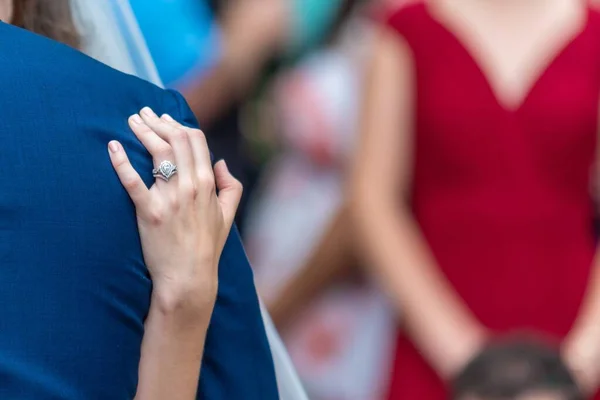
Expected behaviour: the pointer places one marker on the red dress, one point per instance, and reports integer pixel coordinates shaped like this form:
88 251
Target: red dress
502 196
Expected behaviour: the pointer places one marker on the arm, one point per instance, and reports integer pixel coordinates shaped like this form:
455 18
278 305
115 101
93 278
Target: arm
251 35
172 350
183 225
331 259
581 348
436 319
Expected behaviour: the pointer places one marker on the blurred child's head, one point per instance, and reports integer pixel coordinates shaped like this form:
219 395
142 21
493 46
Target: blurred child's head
516 369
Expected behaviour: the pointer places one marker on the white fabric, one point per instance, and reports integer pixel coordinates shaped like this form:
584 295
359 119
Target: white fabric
290 387
111 35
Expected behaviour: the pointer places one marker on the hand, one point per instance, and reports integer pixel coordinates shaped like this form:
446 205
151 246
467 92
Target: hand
581 362
466 342
183 224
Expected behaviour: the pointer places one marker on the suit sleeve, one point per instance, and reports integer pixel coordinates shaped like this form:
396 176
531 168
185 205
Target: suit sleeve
237 359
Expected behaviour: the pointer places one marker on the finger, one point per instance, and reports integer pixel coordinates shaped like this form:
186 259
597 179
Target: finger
205 178
199 146
130 179
157 147
230 192
179 141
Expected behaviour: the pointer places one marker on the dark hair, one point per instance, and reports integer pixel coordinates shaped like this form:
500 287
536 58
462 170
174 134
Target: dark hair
50 18
508 369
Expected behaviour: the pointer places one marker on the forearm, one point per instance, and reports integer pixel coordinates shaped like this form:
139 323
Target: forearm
437 320
172 350
434 316
209 96
227 82
581 348
332 259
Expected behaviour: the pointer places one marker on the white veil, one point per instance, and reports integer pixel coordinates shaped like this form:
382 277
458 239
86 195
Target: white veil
111 35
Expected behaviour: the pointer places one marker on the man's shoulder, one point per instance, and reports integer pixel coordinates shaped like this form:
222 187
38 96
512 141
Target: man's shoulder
25 55
79 104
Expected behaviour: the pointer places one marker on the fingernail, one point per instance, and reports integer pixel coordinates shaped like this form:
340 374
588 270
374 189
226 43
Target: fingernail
148 112
167 117
136 119
224 164
113 146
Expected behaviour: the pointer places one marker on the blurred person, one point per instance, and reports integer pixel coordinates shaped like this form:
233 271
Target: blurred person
471 186
324 136
336 325
80 307
213 59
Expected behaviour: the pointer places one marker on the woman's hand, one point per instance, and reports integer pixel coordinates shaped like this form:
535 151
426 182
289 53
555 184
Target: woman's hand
183 224
578 353
581 347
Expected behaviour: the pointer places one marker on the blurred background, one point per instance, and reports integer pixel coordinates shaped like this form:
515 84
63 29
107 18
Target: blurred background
275 85
497 184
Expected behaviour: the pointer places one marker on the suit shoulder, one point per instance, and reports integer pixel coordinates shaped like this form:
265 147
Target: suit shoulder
56 63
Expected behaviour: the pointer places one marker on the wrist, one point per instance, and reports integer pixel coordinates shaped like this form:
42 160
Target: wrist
583 362
185 298
468 347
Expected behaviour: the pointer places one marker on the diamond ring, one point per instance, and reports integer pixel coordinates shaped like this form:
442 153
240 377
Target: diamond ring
165 171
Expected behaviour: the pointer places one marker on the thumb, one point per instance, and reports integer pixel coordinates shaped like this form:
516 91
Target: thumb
230 191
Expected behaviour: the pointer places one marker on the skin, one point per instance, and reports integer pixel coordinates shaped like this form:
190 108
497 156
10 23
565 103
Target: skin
434 316
441 326
195 222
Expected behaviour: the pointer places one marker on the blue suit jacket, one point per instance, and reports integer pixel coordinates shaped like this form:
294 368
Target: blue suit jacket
74 290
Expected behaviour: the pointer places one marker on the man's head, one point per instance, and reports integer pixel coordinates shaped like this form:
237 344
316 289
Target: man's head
516 369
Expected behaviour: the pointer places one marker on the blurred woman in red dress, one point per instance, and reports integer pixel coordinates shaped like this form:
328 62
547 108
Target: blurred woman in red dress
472 182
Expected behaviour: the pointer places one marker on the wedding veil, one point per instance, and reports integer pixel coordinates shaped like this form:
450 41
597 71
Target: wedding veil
111 35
